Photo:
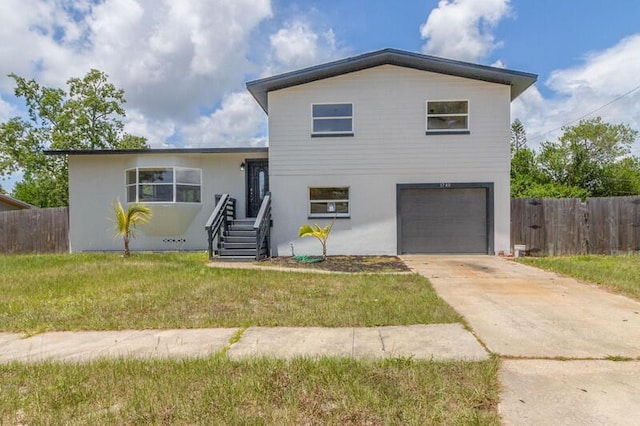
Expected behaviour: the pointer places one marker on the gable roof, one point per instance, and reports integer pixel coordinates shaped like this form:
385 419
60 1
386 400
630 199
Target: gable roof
14 202
519 81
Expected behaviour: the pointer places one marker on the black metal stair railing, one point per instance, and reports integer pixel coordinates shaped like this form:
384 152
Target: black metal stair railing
218 223
262 226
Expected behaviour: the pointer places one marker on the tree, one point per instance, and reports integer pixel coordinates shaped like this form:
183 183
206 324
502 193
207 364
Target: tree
591 159
127 220
588 155
622 178
321 233
526 178
88 116
524 171
518 136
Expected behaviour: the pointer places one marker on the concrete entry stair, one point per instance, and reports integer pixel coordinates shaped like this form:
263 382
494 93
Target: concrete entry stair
521 311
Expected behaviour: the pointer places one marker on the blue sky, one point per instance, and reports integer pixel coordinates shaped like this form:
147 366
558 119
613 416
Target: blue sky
183 64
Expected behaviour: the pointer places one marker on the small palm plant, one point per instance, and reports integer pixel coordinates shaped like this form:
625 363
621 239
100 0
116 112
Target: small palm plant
321 233
127 220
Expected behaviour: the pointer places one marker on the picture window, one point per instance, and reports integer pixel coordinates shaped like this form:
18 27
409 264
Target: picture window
163 185
447 116
329 202
332 119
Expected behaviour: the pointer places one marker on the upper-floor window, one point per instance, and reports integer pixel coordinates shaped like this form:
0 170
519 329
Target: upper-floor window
329 201
332 119
163 185
448 116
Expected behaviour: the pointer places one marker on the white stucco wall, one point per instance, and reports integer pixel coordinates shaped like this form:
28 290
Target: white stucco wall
96 181
389 147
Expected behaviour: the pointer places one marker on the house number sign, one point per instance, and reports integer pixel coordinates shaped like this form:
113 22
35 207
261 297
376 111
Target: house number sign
445 185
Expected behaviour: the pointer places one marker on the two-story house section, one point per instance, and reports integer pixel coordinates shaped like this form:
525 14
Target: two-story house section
407 153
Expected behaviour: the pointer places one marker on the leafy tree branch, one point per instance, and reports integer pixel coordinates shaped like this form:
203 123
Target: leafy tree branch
88 115
590 159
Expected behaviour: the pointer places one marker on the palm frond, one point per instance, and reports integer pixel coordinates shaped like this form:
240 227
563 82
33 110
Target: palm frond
127 220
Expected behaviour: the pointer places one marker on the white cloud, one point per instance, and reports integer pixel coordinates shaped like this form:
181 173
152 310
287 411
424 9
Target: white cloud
463 29
297 45
173 58
595 74
237 122
180 56
599 79
157 132
6 110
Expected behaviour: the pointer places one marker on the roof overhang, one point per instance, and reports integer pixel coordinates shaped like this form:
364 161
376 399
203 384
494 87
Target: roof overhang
6 199
223 150
519 81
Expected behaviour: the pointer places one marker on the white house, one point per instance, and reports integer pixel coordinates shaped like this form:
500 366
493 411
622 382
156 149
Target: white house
407 153
8 204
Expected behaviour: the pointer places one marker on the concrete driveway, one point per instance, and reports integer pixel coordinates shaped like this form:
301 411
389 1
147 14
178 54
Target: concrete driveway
558 330
521 311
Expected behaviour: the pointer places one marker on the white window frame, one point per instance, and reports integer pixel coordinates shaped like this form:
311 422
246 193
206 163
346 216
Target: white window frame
329 214
336 133
175 183
447 131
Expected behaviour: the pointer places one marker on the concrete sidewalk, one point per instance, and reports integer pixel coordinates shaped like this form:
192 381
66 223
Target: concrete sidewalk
436 341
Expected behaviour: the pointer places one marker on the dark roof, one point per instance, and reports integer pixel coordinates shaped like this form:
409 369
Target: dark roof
6 199
519 81
228 150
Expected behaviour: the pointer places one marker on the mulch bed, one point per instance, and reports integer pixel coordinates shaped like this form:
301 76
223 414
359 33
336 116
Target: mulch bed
343 264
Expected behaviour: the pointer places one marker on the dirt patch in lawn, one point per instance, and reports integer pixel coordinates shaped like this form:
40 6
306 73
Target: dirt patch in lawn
371 264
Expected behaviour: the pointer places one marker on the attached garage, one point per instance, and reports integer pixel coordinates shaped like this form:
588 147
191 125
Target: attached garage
445 218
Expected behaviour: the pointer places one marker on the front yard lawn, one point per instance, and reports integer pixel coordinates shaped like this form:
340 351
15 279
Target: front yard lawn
178 290
217 390
106 291
618 273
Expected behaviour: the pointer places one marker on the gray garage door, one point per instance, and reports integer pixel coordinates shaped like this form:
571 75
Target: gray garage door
443 220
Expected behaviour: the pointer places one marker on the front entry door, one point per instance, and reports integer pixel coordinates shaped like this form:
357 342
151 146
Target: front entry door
257 184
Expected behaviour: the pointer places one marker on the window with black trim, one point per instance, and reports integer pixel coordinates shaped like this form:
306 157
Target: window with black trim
332 119
329 201
448 116
163 185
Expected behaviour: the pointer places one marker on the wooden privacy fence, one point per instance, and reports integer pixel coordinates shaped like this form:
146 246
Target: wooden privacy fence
35 231
565 226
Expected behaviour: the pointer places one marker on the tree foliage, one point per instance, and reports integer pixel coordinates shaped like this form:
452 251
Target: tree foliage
518 136
86 116
127 220
321 233
590 159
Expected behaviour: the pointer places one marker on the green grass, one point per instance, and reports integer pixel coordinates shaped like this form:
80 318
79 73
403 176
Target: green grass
177 290
618 273
217 390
